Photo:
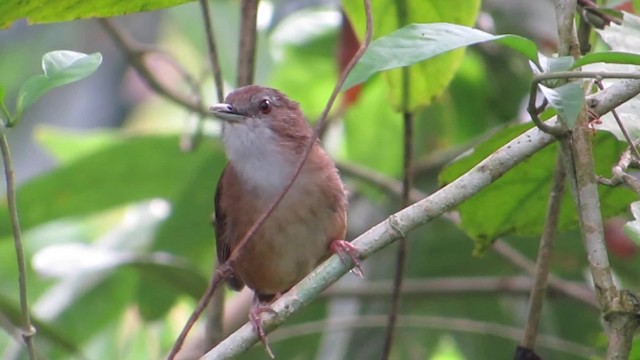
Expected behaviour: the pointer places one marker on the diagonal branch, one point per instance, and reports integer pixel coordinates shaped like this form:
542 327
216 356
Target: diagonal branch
135 58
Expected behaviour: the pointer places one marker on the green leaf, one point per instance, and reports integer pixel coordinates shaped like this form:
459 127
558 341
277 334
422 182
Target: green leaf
65 10
60 68
426 80
518 200
418 42
67 145
611 57
131 170
567 99
372 122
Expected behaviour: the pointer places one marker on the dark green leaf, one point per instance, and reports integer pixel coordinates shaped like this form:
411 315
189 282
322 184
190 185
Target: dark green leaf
516 202
418 42
426 79
567 99
60 68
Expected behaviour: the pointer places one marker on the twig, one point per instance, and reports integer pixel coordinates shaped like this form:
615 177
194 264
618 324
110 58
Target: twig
225 269
433 322
247 48
407 185
632 145
381 235
28 331
452 285
135 58
619 172
212 48
385 183
544 258
568 288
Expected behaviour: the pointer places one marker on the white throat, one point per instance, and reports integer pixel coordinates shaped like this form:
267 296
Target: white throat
252 149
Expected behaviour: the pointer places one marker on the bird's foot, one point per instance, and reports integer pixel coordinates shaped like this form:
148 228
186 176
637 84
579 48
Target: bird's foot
254 318
343 248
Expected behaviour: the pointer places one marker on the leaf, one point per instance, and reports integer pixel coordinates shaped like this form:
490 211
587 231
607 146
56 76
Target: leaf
372 122
65 10
131 170
567 99
425 80
611 57
516 202
67 145
418 42
60 68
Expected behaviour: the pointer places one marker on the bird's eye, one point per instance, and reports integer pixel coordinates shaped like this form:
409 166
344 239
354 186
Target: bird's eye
264 106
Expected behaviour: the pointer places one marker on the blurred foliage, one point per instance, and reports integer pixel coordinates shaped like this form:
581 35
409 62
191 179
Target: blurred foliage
118 229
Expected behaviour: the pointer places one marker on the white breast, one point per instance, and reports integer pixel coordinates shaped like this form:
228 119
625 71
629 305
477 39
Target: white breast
251 147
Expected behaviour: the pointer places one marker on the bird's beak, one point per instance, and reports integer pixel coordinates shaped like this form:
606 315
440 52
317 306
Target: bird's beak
226 112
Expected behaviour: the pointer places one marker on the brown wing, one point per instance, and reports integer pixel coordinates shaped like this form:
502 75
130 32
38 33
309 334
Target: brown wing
222 242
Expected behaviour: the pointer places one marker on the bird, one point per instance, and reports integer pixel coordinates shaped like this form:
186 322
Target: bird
265 135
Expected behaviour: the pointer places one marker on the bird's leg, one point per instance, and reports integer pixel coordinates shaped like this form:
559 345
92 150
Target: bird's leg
342 248
254 317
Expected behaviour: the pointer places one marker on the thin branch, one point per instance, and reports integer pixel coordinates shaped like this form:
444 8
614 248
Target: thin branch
619 172
372 177
433 322
519 285
632 145
407 185
212 48
247 48
544 258
135 58
28 331
566 287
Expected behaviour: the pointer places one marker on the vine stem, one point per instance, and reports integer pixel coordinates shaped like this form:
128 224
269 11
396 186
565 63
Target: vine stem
28 331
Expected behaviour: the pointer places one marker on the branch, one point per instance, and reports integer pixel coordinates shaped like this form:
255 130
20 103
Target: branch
407 185
135 58
399 224
28 331
247 48
620 309
393 187
452 285
544 259
212 48
433 322
569 288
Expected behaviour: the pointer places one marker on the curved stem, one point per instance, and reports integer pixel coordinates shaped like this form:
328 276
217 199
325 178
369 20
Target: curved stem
28 331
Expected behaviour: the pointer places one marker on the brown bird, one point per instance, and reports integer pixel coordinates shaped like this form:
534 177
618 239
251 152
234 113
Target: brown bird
265 135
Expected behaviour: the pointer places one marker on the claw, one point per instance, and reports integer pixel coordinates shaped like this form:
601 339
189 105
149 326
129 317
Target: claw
254 318
343 248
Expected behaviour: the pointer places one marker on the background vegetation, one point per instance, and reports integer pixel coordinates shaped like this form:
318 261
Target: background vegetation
116 182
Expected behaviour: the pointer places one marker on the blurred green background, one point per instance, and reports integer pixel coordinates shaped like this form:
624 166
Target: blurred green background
117 216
